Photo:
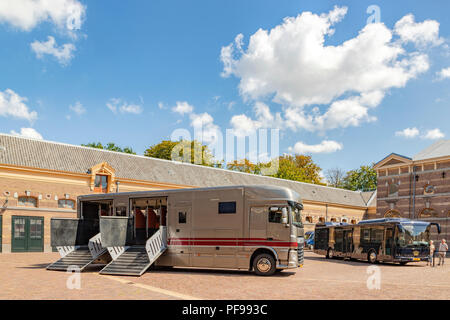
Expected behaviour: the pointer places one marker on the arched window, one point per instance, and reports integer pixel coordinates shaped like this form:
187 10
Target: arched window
322 219
309 219
353 221
344 220
428 213
27 201
392 214
333 219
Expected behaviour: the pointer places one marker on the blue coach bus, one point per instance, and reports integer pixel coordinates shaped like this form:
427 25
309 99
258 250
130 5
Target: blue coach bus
388 240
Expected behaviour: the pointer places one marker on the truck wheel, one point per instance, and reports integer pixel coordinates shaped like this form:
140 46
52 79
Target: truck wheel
372 256
264 264
330 254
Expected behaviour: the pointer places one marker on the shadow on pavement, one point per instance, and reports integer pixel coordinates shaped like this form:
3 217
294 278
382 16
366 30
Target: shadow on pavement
226 273
354 262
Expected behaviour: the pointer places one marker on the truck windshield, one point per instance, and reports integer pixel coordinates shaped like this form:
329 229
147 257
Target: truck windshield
411 235
296 214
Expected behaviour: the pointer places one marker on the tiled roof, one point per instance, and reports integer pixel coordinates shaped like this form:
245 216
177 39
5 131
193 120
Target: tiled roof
436 150
41 154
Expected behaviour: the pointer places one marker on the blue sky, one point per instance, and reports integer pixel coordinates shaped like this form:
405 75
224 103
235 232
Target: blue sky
132 72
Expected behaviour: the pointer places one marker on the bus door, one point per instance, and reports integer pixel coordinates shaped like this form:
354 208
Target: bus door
347 242
388 242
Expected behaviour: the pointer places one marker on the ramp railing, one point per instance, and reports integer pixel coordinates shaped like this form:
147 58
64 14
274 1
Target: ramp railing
95 246
65 250
156 244
115 252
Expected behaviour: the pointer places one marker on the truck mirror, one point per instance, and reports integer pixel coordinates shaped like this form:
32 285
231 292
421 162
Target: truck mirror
284 215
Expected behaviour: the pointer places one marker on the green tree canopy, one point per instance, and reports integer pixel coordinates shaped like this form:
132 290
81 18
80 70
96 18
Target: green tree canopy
298 168
244 165
111 146
362 179
183 150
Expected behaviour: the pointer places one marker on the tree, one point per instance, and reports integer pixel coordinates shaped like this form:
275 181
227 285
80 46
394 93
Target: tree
362 179
244 166
111 146
183 150
335 177
298 168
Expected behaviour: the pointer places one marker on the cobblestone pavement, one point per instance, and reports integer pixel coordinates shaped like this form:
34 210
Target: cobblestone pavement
23 276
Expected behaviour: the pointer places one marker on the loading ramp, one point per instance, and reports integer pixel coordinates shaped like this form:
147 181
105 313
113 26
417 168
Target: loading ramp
135 260
79 256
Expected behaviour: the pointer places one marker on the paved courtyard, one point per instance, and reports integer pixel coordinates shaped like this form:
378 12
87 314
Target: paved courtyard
23 276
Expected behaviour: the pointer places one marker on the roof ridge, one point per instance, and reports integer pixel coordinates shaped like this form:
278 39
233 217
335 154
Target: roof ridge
176 162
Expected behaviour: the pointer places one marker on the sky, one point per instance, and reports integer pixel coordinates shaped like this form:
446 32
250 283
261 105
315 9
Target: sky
347 82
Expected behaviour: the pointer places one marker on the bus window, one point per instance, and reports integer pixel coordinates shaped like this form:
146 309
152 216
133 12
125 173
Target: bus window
365 235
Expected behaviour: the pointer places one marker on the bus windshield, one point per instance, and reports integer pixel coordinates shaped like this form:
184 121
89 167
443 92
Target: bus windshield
296 214
410 235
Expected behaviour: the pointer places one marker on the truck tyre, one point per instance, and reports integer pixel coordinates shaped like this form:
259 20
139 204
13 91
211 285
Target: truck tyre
264 264
372 256
330 254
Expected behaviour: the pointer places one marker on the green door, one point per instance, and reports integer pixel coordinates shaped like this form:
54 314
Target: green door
27 234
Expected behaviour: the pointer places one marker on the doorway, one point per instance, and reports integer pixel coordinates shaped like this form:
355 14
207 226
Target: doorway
27 234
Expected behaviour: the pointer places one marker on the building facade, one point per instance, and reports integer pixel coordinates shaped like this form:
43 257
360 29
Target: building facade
417 187
41 179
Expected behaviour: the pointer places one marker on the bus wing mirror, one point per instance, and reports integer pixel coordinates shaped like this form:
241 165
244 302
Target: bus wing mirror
437 226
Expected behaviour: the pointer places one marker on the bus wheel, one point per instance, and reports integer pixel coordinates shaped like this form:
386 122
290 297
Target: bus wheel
264 264
330 254
372 256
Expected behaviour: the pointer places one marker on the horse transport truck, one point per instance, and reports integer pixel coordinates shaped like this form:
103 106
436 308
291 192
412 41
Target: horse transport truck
255 228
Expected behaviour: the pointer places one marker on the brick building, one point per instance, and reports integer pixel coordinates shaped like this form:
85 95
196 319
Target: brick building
41 179
417 187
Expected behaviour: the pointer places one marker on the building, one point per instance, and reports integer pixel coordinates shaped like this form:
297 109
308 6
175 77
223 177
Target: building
417 187
41 179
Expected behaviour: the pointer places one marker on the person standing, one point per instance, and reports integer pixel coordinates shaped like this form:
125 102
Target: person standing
443 248
431 257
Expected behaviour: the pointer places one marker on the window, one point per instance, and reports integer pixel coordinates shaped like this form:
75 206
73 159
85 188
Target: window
275 215
392 214
27 201
376 235
181 217
309 219
67 204
19 228
101 183
35 229
353 221
121 211
365 235
227 207
322 219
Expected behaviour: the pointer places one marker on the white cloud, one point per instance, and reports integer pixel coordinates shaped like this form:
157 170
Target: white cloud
183 107
62 53
292 65
244 126
11 104
28 133
27 14
204 128
117 105
420 33
78 108
326 146
443 74
408 133
433 134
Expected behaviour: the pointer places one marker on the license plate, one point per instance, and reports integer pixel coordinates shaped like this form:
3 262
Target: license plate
416 259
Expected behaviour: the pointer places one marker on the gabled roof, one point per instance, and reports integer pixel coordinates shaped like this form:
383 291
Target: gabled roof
398 158
42 154
436 150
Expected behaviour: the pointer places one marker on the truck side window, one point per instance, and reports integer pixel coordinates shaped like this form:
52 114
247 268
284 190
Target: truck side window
275 216
227 207
181 217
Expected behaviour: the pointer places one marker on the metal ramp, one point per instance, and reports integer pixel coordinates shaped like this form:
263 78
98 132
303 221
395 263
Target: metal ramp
78 256
135 260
